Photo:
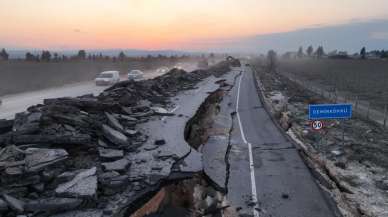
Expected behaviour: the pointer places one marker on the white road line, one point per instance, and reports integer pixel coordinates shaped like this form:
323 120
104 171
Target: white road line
172 110
251 164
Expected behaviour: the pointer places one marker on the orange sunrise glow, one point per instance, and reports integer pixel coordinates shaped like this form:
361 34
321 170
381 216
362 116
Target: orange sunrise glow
153 24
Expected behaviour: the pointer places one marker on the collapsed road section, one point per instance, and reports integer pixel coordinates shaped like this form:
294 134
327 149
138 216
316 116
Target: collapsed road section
105 155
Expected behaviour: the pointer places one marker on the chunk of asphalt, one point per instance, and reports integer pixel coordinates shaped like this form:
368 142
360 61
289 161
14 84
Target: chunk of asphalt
160 142
118 165
161 111
86 213
114 136
84 184
113 122
3 205
39 158
54 204
15 204
107 153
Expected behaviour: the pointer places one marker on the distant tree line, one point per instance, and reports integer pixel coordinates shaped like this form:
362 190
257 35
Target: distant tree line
82 55
320 53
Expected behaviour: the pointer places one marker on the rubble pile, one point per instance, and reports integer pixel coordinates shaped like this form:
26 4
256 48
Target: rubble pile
73 156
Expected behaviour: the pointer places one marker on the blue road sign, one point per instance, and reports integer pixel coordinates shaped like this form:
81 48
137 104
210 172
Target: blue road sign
330 111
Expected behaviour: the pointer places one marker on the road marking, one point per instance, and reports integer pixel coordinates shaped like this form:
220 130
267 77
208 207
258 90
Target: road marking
172 110
251 164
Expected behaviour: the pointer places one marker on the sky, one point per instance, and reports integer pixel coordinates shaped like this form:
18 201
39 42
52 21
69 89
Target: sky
166 24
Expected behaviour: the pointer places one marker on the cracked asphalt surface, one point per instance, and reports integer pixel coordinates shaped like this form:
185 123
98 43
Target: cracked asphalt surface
284 185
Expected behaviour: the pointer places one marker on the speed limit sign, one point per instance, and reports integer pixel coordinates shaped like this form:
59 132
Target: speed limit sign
317 125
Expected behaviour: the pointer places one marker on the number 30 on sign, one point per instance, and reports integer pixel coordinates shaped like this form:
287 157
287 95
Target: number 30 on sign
317 125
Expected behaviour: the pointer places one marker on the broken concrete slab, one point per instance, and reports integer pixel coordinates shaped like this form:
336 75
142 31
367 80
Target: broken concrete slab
84 184
114 136
39 158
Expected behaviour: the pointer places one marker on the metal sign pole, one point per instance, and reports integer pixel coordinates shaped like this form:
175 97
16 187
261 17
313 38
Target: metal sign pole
343 132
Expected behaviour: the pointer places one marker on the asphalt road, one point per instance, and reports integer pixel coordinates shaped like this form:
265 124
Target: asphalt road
13 104
267 176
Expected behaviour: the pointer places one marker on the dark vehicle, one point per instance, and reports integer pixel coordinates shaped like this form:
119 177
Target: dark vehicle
233 61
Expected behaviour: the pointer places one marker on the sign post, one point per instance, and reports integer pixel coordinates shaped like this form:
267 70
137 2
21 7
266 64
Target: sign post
320 112
330 111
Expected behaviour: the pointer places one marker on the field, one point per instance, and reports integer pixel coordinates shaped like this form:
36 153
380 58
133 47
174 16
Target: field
354 79
20 76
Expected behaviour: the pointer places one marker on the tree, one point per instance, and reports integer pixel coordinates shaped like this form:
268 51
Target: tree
4 55
320 52
121 56
45 56
30 57
81 54
300 52
310 51
271 61
384 54
363 53
56 57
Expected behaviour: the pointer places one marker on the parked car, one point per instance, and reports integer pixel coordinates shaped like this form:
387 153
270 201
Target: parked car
107 78
135 75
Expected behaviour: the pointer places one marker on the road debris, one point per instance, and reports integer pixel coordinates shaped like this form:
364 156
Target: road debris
84 156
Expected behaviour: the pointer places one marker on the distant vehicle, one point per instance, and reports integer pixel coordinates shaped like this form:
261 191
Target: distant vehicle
178 66
107 78
135 75
247 64
162 70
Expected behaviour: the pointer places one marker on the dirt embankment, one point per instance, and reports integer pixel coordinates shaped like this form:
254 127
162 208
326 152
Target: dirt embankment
351 155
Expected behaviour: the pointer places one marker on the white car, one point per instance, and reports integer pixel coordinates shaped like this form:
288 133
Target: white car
179 66
162 70
135 75
107 78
